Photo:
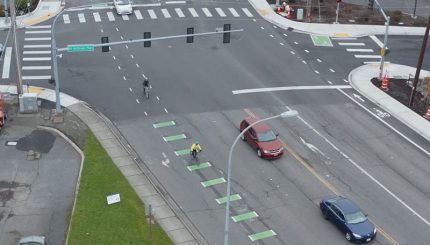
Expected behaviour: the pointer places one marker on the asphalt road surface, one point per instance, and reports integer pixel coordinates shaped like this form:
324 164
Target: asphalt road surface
422 7
340 144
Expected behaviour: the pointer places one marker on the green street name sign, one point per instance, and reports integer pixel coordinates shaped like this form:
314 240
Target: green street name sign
80 48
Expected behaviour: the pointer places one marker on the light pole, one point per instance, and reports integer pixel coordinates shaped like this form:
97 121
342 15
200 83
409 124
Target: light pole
291 113
58 109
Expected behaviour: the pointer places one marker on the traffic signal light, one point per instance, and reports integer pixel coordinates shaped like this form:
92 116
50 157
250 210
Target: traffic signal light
105 48
190 30
226 35
370 4
147 35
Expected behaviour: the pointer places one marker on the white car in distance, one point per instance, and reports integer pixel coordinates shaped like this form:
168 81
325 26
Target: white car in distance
123 6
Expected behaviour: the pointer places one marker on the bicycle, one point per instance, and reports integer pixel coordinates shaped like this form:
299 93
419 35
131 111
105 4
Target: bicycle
146 92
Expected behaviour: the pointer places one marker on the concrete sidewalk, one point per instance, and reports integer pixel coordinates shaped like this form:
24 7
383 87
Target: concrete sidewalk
166 212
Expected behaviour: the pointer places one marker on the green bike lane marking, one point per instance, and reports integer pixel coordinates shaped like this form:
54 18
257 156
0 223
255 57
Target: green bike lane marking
213 182
262 235
233 198
164 124
321 40
245 216
182 152
174 137
199 166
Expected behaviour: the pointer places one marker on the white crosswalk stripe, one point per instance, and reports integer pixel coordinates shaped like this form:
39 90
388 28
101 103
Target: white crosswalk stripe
360 50
36 58
351 44
38 46
138 14
152 14
193 12
179 13
360 56
37 38
81 18
165 13
36 68
36 77
37 52
233 12
125 17
207 12
39 27
110 16
37 32
375 62
220 12
246 11
66 19
97 17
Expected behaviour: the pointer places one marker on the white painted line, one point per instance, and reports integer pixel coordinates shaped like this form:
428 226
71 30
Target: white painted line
285 35
125 17
296 42
175 2
179 13
331 70
166 110
137 65
317 72
6 63
271 35
233 12
148 5
220 12
36 59
292 52
38 46
101 30
119 67
137 101
132 56
375 62
257 90
152 14
345 80
138 14
377 41
193 12
281 44
329 82
131 90
114 57
275 27
363 50
351 44
81 18
262 28
116 28
304 62
96 16
126 46
343 38
110 16
37 52
124 78
36 77
122 38
38 27
166 13
146 114
307 51
157 97
207 12
36 68
38 32
361 56
12 143
319 60
37 39
66 19
246 11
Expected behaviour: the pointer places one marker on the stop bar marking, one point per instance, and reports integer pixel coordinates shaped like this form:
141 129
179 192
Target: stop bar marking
257 90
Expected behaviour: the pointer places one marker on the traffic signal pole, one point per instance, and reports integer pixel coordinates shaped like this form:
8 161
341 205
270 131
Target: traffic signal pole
384 48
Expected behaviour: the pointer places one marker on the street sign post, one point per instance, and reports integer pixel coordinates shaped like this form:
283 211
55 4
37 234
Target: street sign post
80 48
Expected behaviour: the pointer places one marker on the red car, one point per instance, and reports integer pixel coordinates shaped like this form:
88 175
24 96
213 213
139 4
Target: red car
262 139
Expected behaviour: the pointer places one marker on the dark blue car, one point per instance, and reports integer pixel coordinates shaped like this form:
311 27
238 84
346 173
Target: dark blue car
348 218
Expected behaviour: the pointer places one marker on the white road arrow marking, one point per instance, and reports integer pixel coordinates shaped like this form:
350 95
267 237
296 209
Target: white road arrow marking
312 147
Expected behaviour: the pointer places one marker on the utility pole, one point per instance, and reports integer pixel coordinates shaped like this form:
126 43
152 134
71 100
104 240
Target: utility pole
5 11
415 10
419 65
15 47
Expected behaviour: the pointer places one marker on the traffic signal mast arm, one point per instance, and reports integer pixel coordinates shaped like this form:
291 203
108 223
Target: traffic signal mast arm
150 39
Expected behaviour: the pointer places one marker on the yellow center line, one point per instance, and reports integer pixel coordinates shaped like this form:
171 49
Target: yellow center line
321 178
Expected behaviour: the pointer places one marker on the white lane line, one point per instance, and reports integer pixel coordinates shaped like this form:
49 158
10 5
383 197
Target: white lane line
220 12
166 13
157 97
122 38
37 52
285 35
375 62
351 44
116 28
345 80
37 39
96 16
137 101
131 90
233 12
307 51
36 58
304 62
281 44
207 12
132 56
38 46
193 12
317 72
296 42
110 16
271 35
246 11
146 114
152 14
81 18
377 41
137 65
124 78
36 77
138 14
257 90
36 68
331 70
66 19
175 2
166 111
292 52
179 13
101 30
126 46
37 32
114 57
119 67
6 63
319 60
329 82
362 50
343 38
262 28
125 17
361 56
38 27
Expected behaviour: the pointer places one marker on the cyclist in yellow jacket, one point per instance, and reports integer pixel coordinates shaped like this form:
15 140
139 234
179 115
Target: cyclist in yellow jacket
195 148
